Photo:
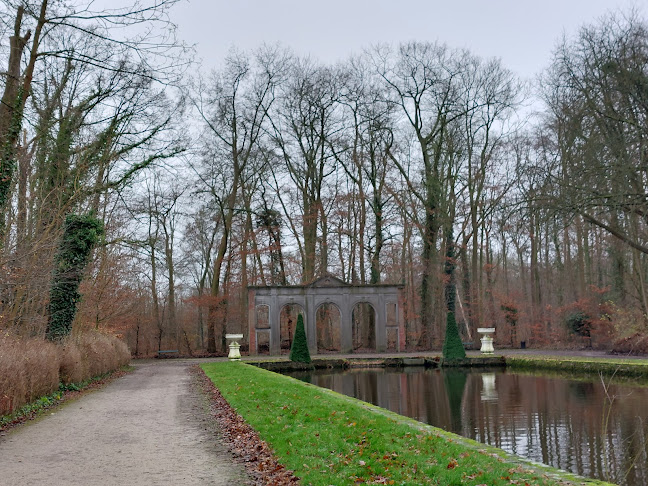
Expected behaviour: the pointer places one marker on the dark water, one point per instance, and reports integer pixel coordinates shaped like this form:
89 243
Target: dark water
570 424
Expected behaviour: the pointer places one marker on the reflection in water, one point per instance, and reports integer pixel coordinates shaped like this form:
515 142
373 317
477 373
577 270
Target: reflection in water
489 390
455 383
551 420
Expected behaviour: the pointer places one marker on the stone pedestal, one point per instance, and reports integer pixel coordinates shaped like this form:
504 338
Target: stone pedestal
487 339
234 346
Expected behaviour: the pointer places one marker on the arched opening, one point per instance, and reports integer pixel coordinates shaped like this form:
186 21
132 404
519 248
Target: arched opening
364 327
287 325
262 329
328 325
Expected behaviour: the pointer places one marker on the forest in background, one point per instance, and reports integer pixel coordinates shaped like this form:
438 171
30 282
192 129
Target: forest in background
416 164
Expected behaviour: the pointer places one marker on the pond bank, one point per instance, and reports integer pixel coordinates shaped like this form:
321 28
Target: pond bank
342 440
619 367
585 363
279 365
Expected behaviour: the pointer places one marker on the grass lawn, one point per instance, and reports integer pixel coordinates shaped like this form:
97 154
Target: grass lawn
330 439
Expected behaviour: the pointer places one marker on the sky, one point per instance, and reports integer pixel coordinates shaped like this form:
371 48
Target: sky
523 33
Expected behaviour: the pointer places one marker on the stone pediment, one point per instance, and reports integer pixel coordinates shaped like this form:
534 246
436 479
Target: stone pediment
328 281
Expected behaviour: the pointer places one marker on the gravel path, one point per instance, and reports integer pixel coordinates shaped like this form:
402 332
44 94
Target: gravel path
150 427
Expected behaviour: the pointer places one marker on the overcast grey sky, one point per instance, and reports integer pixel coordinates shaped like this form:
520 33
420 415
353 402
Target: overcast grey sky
521 32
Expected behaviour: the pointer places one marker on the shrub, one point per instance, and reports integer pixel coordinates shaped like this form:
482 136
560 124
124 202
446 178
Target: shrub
579 323
72 368
299 349
102 353
511 317
29 369
452 346
33 368
635 344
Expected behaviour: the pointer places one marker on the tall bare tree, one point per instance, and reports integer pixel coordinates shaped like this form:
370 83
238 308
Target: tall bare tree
233 104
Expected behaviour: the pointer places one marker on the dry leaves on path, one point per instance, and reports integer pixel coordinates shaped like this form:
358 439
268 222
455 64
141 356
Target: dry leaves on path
244 442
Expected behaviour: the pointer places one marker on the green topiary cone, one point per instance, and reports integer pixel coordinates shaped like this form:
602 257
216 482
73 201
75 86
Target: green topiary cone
299 349
452 347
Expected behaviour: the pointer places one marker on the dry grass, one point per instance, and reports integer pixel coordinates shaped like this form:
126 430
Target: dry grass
28 370
32 368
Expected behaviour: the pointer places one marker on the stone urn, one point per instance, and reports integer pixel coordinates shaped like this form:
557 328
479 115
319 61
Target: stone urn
234 346
487 339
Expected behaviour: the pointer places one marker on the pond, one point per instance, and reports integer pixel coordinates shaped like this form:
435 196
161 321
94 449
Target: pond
591 428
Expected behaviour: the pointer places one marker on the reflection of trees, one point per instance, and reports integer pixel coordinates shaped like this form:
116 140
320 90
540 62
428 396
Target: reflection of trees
559 422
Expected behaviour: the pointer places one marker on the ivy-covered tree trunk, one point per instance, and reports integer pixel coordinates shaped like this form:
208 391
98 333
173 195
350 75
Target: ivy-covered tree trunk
80 235
16 91
452 345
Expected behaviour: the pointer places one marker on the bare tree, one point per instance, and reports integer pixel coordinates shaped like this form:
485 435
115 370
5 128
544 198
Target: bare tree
59 20
303 126
233 104
424 81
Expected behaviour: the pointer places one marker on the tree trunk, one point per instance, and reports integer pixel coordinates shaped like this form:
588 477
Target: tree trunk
536 298
324 241
378 236
429 262
580 265
217 304
171 315
309 227
13 100
154 294
228 216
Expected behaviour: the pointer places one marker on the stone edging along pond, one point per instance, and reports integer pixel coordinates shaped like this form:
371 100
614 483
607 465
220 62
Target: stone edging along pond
619 367
390 362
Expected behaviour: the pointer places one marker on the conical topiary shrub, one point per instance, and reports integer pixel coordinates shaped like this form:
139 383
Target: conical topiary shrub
452 346
299 349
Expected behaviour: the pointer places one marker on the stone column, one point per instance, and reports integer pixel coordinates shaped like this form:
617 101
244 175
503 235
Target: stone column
275 335
251 322
400 316
311 323
381 324
346 323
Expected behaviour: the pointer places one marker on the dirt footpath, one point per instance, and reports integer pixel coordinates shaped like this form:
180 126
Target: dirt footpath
149 427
